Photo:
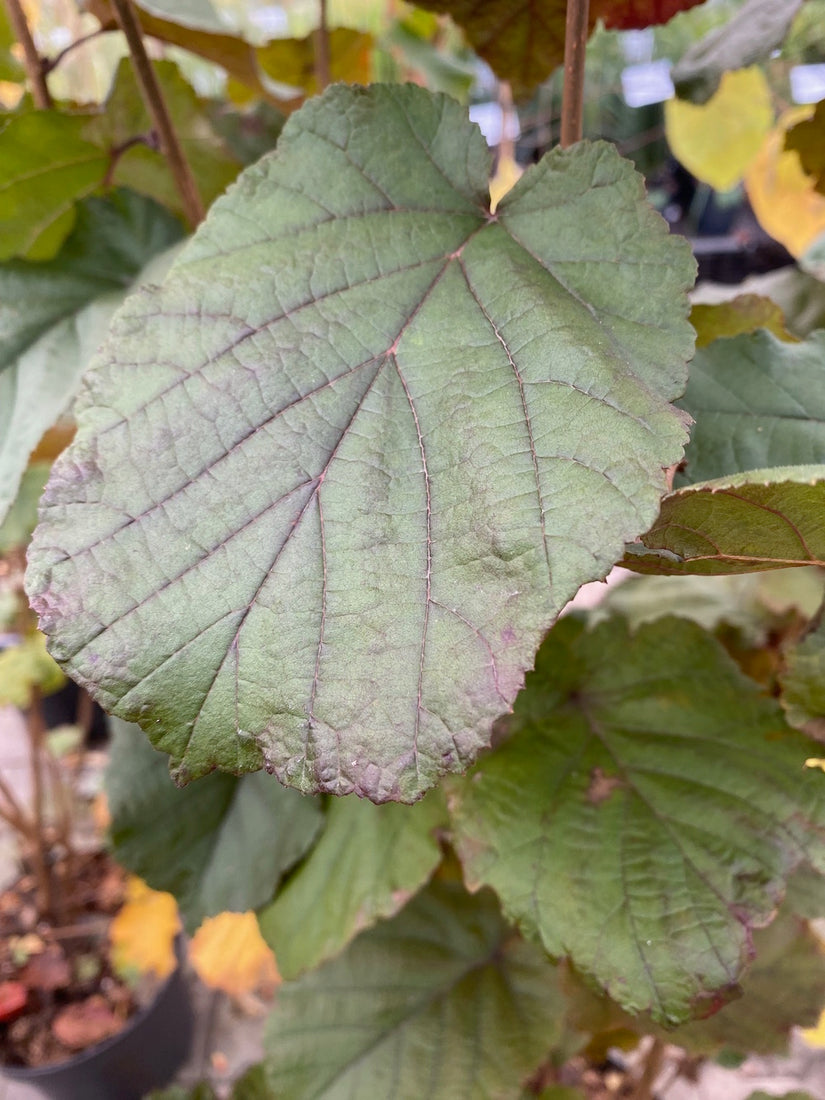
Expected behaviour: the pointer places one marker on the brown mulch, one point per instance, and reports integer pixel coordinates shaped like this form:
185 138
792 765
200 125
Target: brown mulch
58 991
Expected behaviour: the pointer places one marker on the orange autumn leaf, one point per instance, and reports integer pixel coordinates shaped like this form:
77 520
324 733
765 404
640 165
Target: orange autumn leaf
142 935
229 953
784 199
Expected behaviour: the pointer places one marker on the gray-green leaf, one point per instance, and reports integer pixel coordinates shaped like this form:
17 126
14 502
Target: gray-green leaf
354 456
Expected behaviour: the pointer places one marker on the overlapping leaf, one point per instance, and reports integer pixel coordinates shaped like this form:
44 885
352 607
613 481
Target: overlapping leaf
719 140
221 844
807 138
751 35
645 812
523 40
367 864
736 317
803 681
443 1001
91 276
763 519
758 401
354 450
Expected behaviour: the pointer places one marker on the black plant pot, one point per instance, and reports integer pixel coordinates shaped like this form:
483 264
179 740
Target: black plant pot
142 1057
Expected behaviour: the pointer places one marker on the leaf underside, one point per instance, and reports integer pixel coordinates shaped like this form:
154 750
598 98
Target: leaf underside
762 519
645 813
335 479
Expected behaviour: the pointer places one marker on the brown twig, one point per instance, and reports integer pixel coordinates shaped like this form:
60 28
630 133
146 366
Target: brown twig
49 64
14 813
652 1069
322 63
35 68
575 47
156 105
40 855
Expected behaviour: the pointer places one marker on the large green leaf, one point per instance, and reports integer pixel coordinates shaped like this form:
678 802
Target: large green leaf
367 864
762 519
523 40
758 401
223 843
46 165
645 812
102 257
355 450
112 240
443 1001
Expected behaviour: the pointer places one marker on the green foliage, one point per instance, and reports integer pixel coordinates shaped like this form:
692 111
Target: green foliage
762 519
338 471
369 862
442 1001
365 553
637 826
758 402
222 844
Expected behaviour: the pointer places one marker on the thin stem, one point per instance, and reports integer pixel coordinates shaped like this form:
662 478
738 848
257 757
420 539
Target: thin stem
50 64
40 855
575 45
156 105
35 69
652 1069
14 814
322 65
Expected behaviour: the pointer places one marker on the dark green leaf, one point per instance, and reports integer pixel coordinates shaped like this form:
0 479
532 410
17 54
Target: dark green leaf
112 240
39 385
763 519
443 1001
645 812
752 34
369 861
363 466
758 401
47 163
253 1085
223 843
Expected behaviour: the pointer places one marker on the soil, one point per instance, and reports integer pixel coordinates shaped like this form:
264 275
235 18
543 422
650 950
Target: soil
58 991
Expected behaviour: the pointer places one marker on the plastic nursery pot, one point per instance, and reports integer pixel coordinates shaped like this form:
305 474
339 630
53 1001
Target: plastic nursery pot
142 1057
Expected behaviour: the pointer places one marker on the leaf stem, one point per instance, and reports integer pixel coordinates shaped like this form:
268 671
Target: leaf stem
35 66
156 105
49 64
322 64
40 847
575 47
652 1069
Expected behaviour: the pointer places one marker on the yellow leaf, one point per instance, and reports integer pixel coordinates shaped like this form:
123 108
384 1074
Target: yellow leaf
784 199
26 666
815 762
507 174
718 140
815 1036
229 953
143 933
